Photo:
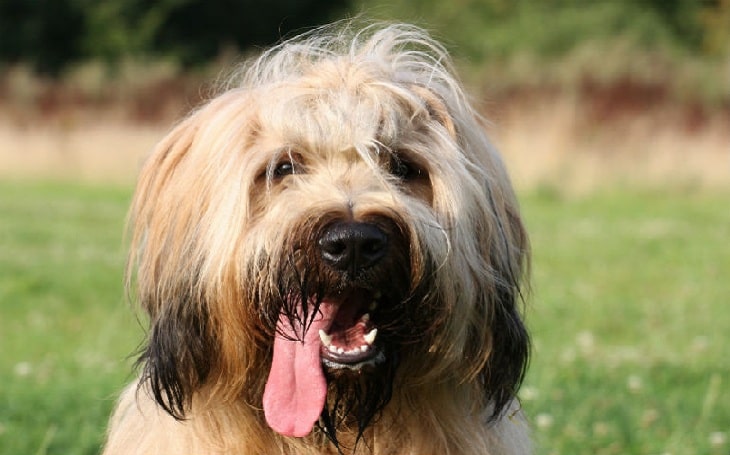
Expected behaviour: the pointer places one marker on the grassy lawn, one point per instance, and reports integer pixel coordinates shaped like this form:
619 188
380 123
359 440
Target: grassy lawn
628 313
65 331
630 322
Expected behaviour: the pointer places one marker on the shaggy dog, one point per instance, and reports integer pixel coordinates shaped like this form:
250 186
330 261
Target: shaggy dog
332 260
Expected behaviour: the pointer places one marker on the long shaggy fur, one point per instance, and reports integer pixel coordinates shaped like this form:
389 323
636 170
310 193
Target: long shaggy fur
338 125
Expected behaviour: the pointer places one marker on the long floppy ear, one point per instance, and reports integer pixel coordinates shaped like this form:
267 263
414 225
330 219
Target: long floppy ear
162 274
178 354
506 366
502 348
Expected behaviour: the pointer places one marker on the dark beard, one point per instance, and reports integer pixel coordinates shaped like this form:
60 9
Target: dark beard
356 398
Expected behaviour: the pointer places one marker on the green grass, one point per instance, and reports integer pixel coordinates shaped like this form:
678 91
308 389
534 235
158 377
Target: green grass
628 314
65 330
630 323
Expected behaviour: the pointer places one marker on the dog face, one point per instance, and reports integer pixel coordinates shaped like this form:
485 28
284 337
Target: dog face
331 232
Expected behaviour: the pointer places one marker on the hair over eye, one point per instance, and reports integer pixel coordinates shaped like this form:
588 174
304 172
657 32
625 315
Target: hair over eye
405 169
283 169
288 163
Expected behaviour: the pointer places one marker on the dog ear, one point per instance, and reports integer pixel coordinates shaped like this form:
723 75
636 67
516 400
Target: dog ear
177 357
162 277
507 363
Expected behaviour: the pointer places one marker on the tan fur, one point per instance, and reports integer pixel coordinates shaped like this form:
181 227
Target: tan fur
209 221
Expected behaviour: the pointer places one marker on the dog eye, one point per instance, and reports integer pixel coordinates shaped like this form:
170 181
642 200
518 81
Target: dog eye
283 169
405 170
287 166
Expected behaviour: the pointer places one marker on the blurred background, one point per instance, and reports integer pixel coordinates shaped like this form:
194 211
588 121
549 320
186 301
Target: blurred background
580 92
613 117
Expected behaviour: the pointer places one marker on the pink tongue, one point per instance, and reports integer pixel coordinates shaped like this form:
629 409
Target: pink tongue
296 389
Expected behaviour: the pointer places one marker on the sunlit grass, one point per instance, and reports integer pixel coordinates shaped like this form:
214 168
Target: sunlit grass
629 323
628 315
65 331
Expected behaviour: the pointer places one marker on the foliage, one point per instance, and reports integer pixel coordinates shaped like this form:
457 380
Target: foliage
53 33
481 29
45 32
628 316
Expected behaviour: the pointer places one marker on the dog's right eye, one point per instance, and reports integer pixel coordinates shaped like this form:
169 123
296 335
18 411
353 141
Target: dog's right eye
288 164
406 170
284 168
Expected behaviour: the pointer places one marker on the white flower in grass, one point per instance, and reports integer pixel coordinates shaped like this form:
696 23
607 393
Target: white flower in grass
543 421
528 393
586 341
23 369
718 438
634 383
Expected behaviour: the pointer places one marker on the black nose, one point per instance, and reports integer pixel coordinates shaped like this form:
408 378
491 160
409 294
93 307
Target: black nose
353 246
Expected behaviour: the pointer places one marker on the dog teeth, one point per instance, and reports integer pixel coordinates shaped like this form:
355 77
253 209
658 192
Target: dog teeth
326 339
370 337
365 317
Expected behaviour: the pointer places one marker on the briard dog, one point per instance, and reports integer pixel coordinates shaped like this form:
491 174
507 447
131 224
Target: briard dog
332 260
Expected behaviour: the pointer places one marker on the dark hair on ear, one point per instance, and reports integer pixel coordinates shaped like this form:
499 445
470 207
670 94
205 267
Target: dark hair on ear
177 356
507 364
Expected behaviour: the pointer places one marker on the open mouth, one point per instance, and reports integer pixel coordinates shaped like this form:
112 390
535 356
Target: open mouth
341 335
349 342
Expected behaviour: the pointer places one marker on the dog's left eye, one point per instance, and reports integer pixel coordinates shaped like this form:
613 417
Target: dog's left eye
405 170
283 169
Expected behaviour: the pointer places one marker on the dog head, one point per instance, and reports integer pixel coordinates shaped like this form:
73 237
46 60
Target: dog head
331 231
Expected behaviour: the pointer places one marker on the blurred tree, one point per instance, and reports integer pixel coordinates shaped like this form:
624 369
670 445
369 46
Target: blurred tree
194 31
488 29
199 29
52 33
715 19
45 33
681 18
